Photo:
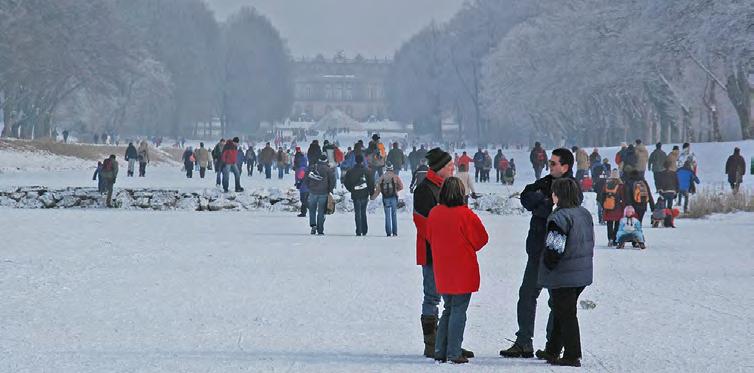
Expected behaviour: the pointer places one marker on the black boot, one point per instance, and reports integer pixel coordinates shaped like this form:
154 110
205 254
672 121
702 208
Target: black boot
566 362
429 329
517 351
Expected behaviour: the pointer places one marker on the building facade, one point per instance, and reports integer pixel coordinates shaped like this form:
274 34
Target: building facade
354 86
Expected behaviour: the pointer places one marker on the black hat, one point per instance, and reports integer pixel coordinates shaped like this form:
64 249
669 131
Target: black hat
376 136
437 159
323 157
236 140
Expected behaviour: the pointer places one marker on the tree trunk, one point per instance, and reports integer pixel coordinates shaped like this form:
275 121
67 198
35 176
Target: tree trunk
739 93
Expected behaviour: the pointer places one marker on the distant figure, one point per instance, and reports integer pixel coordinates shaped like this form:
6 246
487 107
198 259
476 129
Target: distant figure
735 168
109 173
65 136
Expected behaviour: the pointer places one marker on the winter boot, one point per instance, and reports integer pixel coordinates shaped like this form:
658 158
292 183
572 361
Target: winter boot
314 231
642 245
566 362
467 354
460 360
429 328
517 351
546 355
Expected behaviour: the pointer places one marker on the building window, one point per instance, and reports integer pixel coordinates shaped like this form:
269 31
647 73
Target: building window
328 91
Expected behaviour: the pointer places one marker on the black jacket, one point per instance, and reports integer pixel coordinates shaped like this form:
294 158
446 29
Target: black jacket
320 178
131 153
360 182
537 198
426 197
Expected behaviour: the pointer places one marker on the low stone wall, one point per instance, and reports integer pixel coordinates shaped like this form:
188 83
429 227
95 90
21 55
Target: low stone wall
263 199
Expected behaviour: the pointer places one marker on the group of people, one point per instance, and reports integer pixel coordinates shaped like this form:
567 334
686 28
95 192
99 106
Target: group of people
505 169
560 248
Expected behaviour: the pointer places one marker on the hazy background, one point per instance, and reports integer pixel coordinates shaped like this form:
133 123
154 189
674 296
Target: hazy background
370 27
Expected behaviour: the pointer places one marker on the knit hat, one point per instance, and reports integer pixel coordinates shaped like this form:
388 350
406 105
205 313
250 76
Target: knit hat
323 157
437 159
629 212
389 167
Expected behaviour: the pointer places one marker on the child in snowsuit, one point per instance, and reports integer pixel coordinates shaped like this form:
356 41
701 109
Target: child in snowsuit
630 229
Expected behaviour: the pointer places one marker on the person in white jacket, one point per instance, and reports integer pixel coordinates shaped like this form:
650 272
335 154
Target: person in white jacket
468 181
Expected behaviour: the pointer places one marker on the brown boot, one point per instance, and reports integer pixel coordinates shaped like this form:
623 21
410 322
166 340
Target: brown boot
429 328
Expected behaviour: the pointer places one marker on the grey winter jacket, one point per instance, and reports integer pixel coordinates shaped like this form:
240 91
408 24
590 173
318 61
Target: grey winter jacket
569 249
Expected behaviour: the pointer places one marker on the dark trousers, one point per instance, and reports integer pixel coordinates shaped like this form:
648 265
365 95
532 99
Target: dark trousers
202 172
669 199
219 171
268 171
142 169
304 196
527 304
189 166
538 172
250 168
612 230
684 197
499 175
477 173
360 214
565 325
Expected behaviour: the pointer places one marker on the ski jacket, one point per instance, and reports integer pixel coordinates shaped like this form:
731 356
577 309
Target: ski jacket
426 197
567 261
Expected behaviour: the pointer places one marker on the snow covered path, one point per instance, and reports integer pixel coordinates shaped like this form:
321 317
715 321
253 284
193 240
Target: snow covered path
132 291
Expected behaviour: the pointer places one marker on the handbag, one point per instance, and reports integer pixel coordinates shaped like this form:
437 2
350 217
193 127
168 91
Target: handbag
330 209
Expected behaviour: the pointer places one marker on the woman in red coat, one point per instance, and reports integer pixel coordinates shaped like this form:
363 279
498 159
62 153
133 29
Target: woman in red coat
613 204
455 234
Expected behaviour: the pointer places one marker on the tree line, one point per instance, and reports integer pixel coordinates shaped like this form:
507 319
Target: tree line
591 72
138 67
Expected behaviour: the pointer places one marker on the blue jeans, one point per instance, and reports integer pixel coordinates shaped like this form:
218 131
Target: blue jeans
452 324
360 213
228 168
219 170
280 171
268 171
317 206
391 209
431 298
527 304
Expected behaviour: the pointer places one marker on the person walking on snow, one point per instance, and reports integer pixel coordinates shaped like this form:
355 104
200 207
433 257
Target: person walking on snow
229 158
132 155
389 185
188 161
538 159
320 180
143 157
360 182
109 174
202 158
735 168
300 166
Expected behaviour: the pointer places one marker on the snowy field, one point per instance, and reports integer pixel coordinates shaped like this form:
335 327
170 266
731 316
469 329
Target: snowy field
117 291
140 291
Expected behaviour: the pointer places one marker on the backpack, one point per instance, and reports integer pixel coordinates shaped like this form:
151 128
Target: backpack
107 165
503 164
362 183
387 188
641 192
611 196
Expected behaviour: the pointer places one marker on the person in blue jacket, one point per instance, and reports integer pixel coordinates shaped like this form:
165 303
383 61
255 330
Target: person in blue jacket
302 164
686 176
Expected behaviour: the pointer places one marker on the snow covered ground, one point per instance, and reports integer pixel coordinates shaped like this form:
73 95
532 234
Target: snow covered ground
125 291
175 291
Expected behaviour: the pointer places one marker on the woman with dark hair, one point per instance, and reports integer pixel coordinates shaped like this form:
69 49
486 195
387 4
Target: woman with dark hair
565 270
455 234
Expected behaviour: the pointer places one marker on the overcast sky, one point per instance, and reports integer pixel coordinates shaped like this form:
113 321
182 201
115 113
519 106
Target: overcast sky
371 27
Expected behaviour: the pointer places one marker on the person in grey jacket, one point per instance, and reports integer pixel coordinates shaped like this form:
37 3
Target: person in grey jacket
320 179
566 268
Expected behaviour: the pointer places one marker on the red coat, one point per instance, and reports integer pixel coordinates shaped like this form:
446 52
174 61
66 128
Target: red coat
464 159
615 214
230 153
455 234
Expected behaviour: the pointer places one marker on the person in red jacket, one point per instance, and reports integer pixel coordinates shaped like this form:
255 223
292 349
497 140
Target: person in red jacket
426 197
229 157
464 159
455 234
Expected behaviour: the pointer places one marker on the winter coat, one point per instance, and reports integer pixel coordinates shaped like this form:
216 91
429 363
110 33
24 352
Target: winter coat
656 161
537 198
673 158
464 160
567 261
251 157
629 196
595 157
629 158
426 197
301 175
666 182
582 160
202 156
685 178
360 182
418 176
320 178
298 159
188 158
230 153
240 158
268 156
617 213
536 160
467 180
280 158
629 230
386 178
642 157
487 162
735 168
396 158
455 235
685 156
143 155
131 153
479 160
109 174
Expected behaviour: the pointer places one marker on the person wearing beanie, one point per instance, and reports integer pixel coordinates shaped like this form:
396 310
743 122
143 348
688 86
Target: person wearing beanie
320 180
426 197
360 182
537 198
389 185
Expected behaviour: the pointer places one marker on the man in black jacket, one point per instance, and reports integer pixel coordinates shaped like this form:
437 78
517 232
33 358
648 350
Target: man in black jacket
320 179
735 168
537 198
360 182
131 156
